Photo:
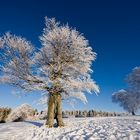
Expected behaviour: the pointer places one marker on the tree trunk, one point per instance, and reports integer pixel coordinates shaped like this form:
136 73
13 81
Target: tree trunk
54 110
133 113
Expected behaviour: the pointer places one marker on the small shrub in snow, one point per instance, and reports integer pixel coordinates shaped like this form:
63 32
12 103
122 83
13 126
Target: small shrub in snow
4 112
21 113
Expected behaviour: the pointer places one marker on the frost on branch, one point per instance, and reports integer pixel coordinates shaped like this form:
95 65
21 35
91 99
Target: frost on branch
16 66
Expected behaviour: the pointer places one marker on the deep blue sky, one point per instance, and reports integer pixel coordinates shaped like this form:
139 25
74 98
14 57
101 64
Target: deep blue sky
112 28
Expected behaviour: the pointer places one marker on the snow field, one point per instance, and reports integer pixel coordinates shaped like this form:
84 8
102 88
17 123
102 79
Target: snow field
97 128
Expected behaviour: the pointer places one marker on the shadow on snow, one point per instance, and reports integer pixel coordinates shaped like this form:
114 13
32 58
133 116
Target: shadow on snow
35 123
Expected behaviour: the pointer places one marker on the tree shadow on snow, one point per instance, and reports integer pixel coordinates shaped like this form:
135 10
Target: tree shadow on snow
35 123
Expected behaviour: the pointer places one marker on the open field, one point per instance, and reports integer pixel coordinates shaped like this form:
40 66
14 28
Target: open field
97 128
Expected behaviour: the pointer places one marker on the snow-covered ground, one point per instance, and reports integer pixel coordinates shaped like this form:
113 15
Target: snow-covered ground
97 128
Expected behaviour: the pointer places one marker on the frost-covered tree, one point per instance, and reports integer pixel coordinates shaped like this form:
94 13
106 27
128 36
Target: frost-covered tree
61 68
129 101
21 113
129 98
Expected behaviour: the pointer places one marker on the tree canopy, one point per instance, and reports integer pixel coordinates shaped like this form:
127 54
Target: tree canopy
63 63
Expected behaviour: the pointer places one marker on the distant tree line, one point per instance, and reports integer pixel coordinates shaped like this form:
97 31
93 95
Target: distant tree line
26 112
81 113
90 113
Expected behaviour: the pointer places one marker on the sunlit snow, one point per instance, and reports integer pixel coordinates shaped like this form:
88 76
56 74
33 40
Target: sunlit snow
95 128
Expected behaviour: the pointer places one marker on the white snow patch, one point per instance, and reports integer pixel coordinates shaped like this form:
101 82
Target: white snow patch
95 128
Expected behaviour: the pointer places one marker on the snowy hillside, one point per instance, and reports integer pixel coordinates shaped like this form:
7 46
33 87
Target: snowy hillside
97 128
